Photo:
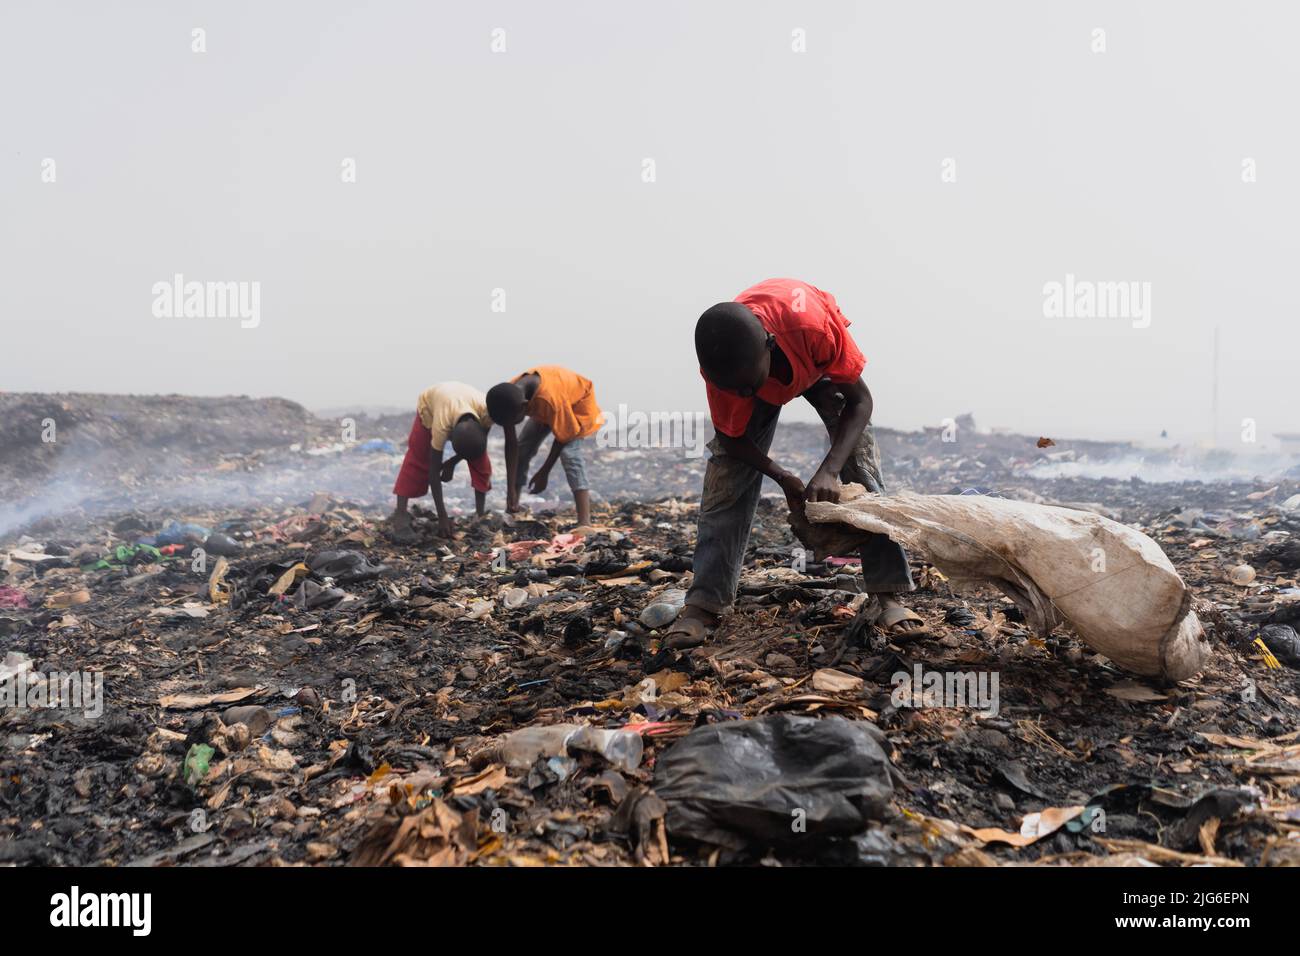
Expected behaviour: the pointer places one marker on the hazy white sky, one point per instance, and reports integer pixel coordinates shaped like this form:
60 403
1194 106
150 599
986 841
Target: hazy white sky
522 170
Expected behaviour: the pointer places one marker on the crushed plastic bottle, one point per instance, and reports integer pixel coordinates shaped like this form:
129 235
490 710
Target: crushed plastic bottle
622 748
177 533
521 748
664 610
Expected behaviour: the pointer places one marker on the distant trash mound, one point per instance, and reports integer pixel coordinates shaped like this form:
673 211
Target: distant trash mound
40 427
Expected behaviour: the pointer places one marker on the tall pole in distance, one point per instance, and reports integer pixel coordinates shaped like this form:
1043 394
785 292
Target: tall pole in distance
1214 395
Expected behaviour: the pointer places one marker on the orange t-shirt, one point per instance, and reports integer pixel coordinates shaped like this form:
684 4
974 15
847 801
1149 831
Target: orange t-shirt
811 331
564 401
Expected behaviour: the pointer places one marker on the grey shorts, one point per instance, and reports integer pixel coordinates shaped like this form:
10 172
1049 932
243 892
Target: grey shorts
531 436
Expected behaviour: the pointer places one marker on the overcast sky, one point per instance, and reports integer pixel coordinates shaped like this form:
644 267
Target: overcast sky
525 170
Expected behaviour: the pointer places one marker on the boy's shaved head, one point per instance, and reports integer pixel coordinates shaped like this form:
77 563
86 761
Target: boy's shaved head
505 403
733 348
469 438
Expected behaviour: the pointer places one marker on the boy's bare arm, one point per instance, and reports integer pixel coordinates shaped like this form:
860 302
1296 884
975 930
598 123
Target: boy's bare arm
449 468
435 486
538 484
744 450
512 467
855 417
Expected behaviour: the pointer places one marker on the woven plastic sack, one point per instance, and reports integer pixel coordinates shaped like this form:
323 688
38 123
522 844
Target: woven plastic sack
1113 584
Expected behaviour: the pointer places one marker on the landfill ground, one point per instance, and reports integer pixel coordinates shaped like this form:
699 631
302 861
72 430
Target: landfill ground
243 726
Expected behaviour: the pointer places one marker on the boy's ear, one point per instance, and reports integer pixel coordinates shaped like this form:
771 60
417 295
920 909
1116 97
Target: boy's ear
770 342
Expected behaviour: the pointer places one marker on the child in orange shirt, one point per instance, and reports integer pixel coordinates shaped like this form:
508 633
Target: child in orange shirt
555 401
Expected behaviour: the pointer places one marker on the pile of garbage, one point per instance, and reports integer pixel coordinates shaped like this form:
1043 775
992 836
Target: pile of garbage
289 685
283 683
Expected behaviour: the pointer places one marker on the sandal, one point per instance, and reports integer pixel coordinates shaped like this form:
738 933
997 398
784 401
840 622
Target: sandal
891 618
686 632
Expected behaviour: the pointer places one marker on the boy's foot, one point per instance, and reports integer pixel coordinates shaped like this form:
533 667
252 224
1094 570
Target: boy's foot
900 622
691 629
403 531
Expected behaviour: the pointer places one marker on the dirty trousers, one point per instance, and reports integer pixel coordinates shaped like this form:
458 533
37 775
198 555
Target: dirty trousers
730 498
413 479
531 436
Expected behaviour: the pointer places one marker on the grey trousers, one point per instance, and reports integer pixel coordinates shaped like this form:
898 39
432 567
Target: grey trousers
531 436
730 499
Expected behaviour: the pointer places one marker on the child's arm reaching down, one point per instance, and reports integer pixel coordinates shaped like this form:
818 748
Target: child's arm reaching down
543 474
853 421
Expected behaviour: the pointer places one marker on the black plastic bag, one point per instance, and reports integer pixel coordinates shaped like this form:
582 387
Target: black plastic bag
345 567
783 780
1283 642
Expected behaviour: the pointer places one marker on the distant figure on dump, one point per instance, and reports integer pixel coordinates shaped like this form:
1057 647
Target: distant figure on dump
555 401
780 340
450 412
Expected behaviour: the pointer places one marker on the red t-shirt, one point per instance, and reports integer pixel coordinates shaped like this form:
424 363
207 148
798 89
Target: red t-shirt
811 331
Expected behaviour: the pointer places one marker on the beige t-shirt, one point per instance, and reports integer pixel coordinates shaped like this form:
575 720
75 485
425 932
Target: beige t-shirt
441 406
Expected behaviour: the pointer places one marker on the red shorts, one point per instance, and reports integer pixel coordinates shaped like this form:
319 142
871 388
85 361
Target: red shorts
413 479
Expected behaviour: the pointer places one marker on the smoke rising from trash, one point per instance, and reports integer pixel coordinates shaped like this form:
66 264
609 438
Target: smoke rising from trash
361 472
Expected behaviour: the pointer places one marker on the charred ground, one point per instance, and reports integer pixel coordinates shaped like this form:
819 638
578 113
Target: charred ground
385 709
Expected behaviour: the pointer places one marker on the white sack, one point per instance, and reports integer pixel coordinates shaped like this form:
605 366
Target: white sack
1112 583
